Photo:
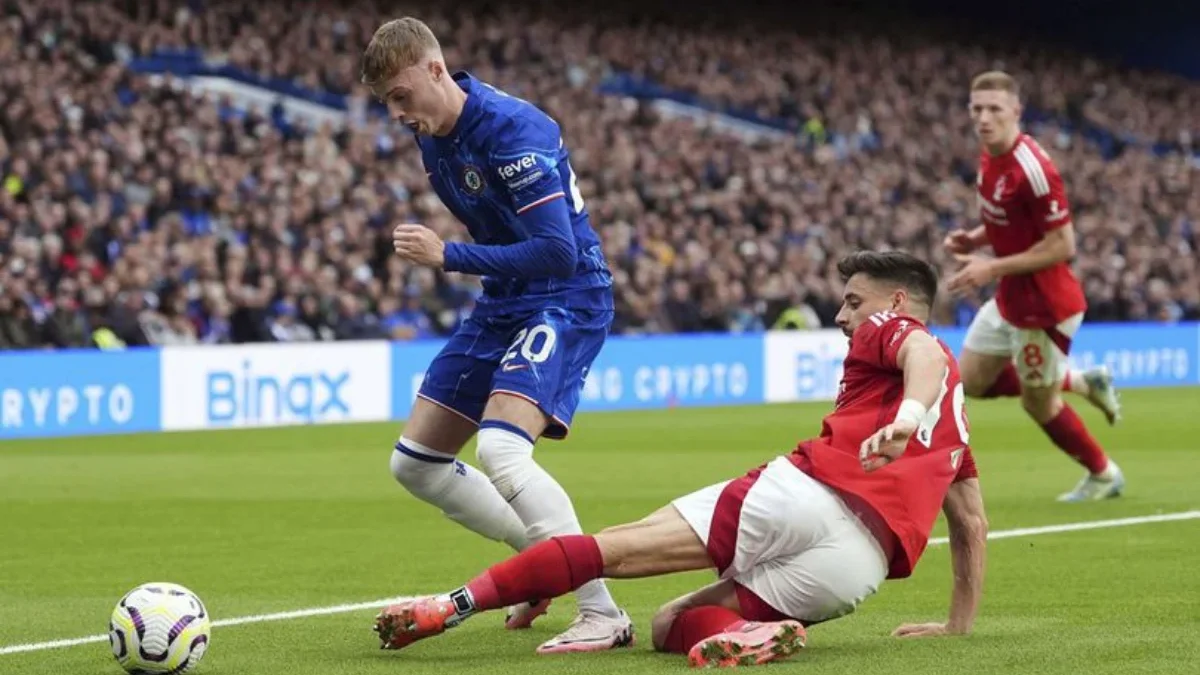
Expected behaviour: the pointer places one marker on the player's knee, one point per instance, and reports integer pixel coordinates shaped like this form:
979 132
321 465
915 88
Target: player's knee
422 471
505 455
660 625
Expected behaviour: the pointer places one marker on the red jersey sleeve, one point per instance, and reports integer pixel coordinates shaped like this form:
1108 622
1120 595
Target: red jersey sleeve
878 340
1045 190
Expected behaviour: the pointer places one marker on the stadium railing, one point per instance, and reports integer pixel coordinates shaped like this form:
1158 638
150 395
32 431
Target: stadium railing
80 392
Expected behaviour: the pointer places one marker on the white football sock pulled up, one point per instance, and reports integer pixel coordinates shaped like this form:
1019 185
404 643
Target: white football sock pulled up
506 455
460 490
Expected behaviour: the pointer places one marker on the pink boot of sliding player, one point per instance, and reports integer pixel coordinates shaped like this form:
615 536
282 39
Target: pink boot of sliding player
750 644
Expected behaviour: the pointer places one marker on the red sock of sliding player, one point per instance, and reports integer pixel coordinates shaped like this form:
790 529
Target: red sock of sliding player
1007 384
696 624
545 570
1068 433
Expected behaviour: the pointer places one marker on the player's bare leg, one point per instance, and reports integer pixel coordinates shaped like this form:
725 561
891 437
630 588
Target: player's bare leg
662 543
988 375
994 376
424 462
510 426
1104 478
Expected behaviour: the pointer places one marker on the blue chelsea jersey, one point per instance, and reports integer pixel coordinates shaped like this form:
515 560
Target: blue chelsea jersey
503 158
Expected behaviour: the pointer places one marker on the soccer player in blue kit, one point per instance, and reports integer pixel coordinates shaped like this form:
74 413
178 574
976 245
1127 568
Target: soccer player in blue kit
514 371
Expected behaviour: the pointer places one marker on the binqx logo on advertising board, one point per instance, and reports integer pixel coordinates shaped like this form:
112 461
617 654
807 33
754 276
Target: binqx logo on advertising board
658 372
254 396
78 392
276 384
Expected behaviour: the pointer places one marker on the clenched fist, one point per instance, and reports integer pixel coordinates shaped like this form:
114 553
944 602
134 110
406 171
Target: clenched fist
419 244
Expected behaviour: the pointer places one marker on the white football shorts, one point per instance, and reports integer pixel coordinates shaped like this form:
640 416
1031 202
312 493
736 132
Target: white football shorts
789 539
1039 354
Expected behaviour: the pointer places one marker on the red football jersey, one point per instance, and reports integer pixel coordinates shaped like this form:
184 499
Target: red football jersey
1021 198
901 501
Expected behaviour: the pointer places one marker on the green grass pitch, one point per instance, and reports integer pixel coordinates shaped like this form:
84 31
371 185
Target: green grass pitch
269 520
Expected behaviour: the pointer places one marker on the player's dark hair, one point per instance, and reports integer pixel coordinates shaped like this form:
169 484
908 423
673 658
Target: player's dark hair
913 274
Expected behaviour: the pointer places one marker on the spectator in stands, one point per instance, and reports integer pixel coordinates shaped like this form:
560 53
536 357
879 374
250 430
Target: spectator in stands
285 326
134 212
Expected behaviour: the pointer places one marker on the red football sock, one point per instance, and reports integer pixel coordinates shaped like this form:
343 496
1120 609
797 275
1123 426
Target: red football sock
1069 434
696 624
545 570
1007 384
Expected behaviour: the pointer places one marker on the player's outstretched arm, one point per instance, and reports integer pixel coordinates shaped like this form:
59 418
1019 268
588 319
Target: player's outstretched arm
968 552
923 362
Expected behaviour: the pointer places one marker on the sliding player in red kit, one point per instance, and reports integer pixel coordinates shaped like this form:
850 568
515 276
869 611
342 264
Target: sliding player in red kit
1017 345
806 537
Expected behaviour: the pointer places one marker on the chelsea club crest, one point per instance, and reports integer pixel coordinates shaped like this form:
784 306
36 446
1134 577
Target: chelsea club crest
472 179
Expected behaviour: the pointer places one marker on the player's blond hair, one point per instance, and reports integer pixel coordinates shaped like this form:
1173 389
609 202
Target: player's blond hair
396 45
996 80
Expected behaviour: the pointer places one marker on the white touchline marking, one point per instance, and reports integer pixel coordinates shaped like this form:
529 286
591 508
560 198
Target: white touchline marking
374 604
236 621
1076 527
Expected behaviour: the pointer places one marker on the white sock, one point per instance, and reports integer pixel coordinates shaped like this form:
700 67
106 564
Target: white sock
461 491
1077 384
506 455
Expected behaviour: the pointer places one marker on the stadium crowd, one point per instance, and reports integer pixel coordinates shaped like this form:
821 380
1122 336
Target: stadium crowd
134 211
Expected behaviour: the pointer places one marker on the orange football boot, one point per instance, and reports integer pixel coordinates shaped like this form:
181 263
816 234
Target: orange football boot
400 625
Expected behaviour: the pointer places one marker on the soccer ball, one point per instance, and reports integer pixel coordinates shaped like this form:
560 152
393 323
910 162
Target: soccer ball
159 628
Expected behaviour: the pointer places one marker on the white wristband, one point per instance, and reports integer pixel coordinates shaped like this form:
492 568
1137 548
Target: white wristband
911 410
